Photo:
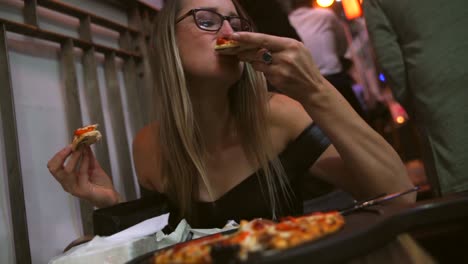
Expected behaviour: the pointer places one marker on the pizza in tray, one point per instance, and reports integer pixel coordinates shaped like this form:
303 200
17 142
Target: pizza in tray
253 237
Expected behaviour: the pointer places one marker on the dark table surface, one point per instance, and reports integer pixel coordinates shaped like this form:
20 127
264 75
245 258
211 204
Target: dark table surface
370 229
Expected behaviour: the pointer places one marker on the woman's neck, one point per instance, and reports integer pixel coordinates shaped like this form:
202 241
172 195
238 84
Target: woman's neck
213 115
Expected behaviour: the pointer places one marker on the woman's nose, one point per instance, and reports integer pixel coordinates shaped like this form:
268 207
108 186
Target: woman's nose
226 28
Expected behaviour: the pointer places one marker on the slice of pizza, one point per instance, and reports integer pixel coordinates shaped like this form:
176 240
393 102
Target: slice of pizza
87 135
223 43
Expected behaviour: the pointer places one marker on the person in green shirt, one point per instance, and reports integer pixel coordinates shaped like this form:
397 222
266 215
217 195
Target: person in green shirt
422 47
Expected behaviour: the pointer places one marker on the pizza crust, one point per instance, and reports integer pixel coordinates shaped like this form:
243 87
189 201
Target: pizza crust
227 46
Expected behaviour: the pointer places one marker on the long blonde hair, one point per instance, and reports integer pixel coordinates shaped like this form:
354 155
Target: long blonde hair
182 150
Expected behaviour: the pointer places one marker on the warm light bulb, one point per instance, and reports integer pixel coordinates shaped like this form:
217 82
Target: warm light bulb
400 120
352 9
325 3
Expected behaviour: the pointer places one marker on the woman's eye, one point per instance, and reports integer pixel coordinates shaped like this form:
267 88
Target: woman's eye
236 27
206 23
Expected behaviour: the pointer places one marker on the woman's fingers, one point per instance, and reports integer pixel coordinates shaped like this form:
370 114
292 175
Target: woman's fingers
69 168
83 177
285 62
252 55
259 40
258 62
93 163
85 161
55 164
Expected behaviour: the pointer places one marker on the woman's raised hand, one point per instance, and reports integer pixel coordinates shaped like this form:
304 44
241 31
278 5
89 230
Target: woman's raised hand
291 68
82 176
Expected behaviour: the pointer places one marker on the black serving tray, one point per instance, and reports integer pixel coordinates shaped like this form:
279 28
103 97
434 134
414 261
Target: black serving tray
365 230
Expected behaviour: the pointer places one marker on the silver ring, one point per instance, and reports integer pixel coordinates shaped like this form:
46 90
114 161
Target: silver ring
267 57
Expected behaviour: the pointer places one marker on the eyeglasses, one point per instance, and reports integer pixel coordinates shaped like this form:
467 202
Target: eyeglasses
209 20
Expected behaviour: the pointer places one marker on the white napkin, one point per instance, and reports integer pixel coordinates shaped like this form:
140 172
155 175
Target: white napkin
197 233
145 228
118 248
133 242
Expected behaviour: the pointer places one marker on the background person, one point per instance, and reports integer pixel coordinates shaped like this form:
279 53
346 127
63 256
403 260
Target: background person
423 50
323 35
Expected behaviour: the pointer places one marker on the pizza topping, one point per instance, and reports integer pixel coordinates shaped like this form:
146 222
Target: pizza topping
221 41
86 135
240 237
83 130
260 224
203 240
288 218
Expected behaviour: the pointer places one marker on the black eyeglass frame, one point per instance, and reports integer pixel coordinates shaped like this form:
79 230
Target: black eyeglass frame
193 12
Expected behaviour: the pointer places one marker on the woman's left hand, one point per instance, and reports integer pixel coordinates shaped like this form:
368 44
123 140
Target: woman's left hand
291 67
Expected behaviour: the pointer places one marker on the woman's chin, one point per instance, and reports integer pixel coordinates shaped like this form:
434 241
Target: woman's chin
233 67
219 76
224 71
231 74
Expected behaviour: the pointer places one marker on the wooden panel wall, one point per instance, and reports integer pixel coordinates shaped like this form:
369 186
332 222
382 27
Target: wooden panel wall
13 162
133 51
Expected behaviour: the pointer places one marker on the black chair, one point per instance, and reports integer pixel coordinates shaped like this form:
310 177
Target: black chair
113 219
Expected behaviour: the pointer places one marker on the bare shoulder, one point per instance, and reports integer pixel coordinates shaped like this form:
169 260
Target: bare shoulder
288 115
146 156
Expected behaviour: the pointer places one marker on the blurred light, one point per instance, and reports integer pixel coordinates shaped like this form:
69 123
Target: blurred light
398 113
352 9
400 120
338 0
325 3
382 77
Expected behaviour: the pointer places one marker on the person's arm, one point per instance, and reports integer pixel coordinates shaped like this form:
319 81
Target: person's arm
146 158
367 165
387 50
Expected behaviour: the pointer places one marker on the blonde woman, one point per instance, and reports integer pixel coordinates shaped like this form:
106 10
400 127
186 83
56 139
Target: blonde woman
222 147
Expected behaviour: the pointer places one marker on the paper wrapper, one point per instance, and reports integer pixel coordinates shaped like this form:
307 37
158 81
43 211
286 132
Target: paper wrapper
133 242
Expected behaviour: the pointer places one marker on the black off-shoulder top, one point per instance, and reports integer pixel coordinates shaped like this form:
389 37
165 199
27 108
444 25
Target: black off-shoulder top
247 200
